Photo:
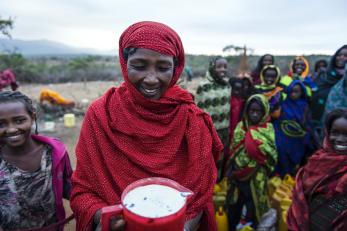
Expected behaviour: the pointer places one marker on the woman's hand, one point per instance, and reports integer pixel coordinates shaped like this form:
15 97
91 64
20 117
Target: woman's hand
116 223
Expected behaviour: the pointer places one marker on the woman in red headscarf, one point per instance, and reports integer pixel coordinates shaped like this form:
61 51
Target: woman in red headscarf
146 127
320 194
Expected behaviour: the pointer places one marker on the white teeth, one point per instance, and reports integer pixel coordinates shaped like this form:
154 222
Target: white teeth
13 137
340 147
150 91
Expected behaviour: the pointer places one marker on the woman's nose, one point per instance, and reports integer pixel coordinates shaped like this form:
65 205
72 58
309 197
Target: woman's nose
151 77
11 129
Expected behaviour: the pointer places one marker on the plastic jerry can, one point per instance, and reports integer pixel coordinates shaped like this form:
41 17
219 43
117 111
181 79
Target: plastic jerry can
221 220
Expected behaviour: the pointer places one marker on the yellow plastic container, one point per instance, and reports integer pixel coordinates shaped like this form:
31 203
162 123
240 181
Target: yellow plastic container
221 220
247 228
217 188
274 182
288 180
285 204
69 120
282 223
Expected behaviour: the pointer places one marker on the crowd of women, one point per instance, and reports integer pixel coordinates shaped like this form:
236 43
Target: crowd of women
270 124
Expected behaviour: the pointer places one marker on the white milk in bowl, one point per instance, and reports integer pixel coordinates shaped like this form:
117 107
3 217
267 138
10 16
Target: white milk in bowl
154 201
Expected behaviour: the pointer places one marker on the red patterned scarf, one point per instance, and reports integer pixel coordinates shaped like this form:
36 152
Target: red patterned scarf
325 174
126 137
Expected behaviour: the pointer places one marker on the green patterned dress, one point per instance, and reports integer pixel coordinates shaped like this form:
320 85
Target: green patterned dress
214 98
253 159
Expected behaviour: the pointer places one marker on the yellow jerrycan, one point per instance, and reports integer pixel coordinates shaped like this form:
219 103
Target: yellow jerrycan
221 220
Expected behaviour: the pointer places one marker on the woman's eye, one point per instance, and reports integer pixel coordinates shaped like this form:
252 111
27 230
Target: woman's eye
19 121
139 67
164 69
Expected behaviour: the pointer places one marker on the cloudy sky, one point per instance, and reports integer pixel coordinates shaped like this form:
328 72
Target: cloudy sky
205 26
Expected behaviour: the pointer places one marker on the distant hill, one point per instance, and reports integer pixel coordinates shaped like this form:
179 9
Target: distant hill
45 47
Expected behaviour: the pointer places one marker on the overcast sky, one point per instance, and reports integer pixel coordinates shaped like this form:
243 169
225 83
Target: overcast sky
205 26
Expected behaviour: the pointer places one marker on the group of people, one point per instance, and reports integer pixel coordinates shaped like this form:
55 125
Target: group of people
149 126
269 128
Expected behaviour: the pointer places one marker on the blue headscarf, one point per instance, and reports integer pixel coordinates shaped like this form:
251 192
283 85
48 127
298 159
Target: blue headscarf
295 109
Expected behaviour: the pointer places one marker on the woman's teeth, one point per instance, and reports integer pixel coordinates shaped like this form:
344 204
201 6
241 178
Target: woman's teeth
340 147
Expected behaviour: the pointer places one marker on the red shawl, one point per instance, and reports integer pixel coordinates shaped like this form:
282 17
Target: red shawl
126 137
325 174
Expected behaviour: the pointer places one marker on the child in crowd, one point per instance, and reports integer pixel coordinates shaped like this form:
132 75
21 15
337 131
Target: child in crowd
213 96
241 89
264 60
319 198
299 70
35 170
253 159
320 66
294 134
270 75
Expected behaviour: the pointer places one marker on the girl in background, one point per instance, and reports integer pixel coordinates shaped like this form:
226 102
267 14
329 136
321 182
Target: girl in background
299 70
213 96
320 67
264 60
325 82
270 75
294 136
253 159
320 194
35 170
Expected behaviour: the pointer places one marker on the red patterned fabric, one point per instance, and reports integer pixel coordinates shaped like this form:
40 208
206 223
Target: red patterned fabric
325 174
252 145
126 137
236 108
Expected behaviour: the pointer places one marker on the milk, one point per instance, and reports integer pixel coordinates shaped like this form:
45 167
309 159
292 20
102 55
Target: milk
154 201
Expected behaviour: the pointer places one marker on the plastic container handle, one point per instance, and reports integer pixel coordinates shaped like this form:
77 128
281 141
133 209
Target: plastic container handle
107 213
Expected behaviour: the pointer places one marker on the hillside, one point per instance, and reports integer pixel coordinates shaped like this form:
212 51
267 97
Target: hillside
44 47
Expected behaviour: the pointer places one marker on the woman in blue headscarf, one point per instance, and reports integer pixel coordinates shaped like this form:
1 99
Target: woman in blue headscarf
293 129
326 81
338 96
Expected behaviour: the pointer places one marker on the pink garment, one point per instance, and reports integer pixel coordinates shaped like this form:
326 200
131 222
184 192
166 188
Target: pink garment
7 78
61 172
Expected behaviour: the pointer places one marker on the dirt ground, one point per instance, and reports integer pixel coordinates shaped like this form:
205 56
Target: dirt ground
77 92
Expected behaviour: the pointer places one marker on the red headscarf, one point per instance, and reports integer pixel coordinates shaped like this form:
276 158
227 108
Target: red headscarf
126 137
325 174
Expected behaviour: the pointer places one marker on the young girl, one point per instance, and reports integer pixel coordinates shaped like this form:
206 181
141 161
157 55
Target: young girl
213 96
241 89
270 75
35 170
294 135
299 70
264 60
320 194
253 159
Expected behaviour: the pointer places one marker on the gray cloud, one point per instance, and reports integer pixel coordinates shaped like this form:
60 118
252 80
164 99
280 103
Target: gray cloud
286 26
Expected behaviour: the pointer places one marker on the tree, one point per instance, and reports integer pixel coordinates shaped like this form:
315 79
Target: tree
244 66
5 26
80 66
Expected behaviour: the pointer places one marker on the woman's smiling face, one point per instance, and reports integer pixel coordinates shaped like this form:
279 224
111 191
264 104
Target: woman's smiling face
150 72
